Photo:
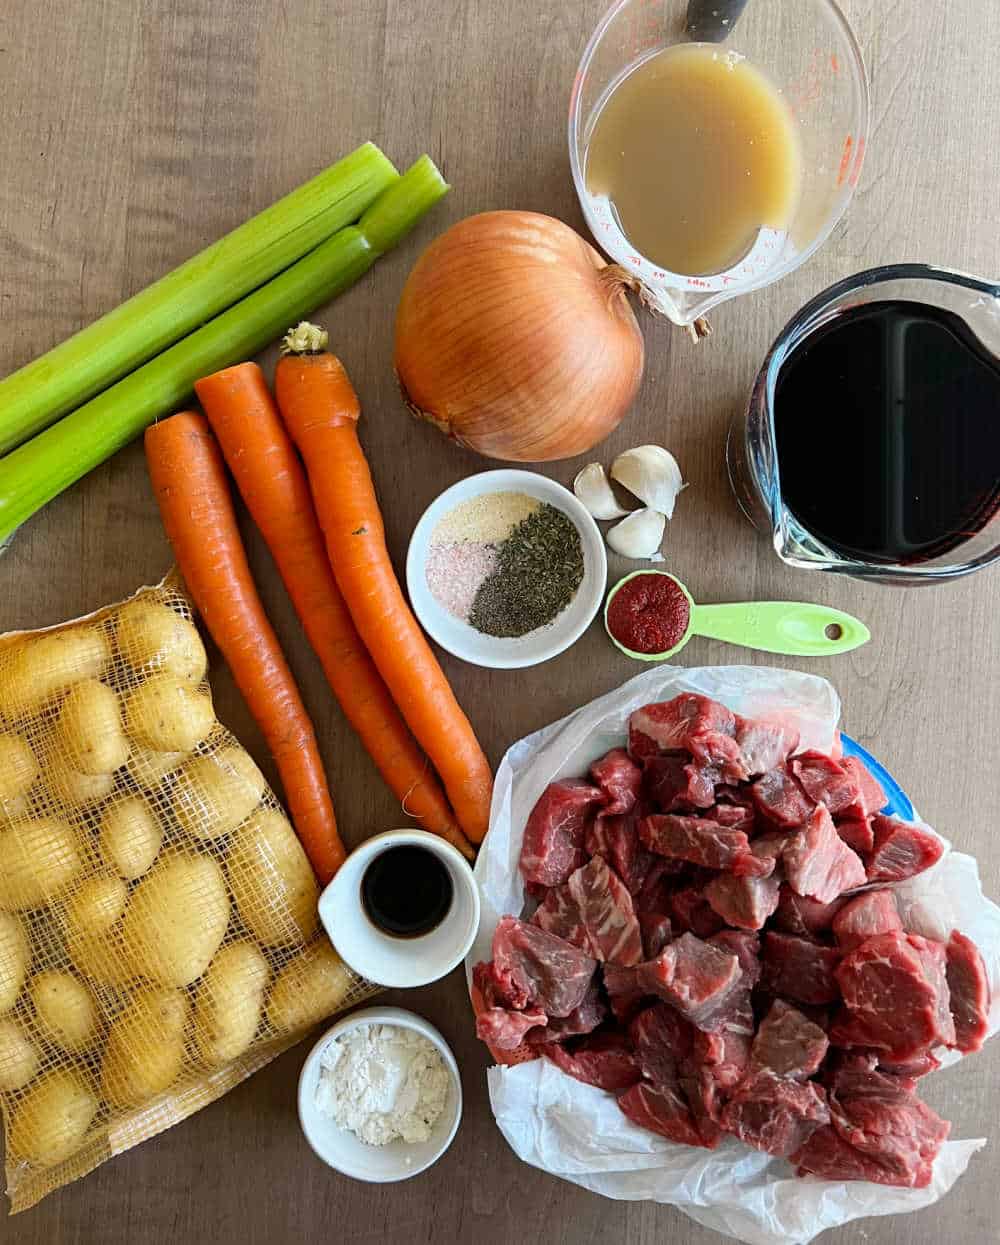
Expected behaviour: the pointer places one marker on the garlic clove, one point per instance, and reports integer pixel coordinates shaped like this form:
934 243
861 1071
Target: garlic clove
652 474
592 488
639 536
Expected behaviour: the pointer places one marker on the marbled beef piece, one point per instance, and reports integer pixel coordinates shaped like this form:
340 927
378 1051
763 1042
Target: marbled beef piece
818 863
552 973
744 902
789 1044
665 1112
593 910
826 781
619 778
800 969
698 979
605 1060
779 798
506 1030
764 745
970 992
689 723
553 845
902 850
774 1114
871 913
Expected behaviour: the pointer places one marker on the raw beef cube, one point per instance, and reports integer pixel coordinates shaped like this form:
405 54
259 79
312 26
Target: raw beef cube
872 799
553 837
727 1054
764 745
744 902
818 863
856 833
789 1044
625 991
700 842
828 1156
661 1039
616 838
780 799
667 726
691 912
796 968
605 1061
774 1114
896 994
657 932
666 1113
910 1069
674 782
506 1029
746 948
970 992
826 781
619 778
902 850
802 916
706 1101
583 1019
696 978
874 912
734 817
498 989
554 974
593 910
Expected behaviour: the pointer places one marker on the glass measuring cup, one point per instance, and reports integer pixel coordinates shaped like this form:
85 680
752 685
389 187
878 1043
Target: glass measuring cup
808 50
752 447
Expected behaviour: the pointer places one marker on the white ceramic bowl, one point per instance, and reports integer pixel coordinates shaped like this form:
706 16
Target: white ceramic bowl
507 654
400 962
341 1149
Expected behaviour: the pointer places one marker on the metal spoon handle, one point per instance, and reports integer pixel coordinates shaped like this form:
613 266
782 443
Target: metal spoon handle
712 21
789 627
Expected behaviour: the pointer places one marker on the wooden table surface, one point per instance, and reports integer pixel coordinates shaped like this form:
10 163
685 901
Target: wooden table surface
131 135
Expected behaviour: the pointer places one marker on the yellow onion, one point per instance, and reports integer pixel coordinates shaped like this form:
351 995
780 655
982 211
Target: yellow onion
516 339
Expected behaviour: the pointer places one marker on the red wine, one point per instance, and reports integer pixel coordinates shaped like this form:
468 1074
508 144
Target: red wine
406 891
887 423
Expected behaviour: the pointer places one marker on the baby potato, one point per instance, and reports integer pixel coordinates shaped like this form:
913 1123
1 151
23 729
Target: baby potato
152 635
66 785
145 1051
148 768
51 1120
66 1011
272 881
168 714
37 859
229 1002
19 1057
37 670
92 918
214 794
14 958
90 728
176 919
18 768
311 986
131 837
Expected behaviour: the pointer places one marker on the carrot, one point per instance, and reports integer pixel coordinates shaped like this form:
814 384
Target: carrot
320 408
189 481
273 484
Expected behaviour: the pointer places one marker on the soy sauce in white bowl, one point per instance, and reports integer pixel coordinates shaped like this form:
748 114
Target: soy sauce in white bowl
406 891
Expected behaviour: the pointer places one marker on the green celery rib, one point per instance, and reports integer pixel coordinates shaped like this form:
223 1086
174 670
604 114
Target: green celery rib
42 391
41 469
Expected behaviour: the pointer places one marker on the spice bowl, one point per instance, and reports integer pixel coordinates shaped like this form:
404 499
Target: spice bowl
456 565
343 1150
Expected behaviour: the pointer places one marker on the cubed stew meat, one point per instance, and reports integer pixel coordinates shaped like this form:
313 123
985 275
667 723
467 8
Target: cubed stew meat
708 946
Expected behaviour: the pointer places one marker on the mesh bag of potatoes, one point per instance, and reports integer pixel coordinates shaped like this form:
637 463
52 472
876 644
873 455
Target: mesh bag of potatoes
158 929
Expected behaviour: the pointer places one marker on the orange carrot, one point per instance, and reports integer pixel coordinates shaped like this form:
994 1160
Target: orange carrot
273 484
189 481
320 408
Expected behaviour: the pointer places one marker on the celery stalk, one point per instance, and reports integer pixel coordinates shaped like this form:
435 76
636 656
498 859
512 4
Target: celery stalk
37 394
39 470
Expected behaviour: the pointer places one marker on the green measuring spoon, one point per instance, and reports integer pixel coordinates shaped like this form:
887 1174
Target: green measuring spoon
792 628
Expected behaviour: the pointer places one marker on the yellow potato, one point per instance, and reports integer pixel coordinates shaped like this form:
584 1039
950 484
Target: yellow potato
90 728
148 768
229 1002
131 836
36 671
66 1011
51 1120
18 768
62 784
272 881
311 986
14 958
214 794
151 635
176 919
145 1051
37 859
168 714
93 931
18 1057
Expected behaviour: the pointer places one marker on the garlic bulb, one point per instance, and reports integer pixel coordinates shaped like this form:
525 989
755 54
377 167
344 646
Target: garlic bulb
639 536
593 488
652 474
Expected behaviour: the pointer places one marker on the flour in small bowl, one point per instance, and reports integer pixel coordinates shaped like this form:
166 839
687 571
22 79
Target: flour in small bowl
383 1083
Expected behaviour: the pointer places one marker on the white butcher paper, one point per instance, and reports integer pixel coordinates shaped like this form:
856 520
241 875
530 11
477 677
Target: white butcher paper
576 1131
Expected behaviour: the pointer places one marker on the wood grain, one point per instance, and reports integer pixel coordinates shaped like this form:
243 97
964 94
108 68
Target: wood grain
130 136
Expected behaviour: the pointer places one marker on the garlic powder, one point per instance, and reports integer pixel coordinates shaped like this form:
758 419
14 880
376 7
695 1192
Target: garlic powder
382 1082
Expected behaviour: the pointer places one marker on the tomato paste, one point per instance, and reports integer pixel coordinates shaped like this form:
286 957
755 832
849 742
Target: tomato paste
649 613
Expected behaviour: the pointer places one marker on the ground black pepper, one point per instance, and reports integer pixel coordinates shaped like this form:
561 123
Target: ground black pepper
539 569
